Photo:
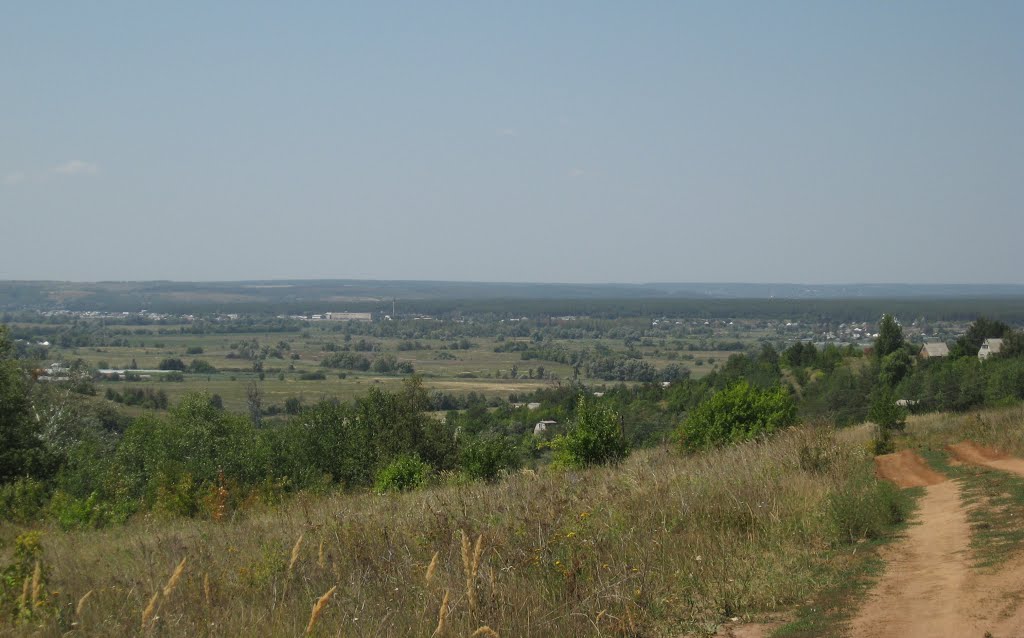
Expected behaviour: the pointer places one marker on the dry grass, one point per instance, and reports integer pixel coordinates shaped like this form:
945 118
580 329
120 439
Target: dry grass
659 545
1001 428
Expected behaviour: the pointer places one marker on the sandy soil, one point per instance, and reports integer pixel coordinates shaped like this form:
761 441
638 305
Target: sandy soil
928 588
969 452
906 469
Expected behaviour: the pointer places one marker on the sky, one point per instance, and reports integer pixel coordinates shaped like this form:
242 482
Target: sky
810 142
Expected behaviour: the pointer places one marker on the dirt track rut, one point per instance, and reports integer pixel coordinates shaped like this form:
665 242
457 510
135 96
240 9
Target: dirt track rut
928 588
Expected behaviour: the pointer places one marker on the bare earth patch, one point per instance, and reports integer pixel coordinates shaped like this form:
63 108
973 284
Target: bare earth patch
906 469
970 452
928 588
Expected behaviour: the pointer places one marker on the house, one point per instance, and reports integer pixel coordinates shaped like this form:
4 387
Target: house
532 406
989 348
934 350
542 427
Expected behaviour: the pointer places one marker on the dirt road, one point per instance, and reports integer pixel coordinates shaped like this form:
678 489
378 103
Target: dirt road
969 452
928 588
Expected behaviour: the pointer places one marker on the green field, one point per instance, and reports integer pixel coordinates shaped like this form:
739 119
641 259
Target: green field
478 369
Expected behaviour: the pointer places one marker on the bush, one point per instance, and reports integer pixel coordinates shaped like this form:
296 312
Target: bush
22 500
403 474
91 512
172 364
885 413
199 366
738 413
484 457
312 376
594 437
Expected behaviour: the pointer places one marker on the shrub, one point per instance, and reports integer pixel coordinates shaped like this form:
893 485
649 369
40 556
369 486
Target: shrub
172 364
91 512
594 437
484 457
199 366
738 413
22 500
885 413
403 474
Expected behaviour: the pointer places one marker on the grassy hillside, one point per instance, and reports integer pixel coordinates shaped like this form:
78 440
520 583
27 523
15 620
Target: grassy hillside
660 545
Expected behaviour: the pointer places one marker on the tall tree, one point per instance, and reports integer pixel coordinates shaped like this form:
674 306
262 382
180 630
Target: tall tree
890 336
22 452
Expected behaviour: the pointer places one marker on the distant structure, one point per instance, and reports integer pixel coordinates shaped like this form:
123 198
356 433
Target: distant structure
542 427
347 316
989 348
934 350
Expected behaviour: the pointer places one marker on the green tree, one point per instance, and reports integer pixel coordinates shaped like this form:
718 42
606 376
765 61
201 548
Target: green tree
22 452
890 337
594 437
737 413
982 328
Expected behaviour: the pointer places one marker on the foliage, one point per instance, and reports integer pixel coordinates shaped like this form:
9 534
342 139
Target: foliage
594 437
890 336
406 472
982 328
737 413
485 456
885 413
22 451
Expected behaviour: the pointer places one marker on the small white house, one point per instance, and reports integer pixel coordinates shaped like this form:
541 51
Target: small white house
542 427
989 348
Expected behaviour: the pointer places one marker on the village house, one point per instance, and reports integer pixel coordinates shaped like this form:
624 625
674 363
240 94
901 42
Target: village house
542 427
934 350
989 348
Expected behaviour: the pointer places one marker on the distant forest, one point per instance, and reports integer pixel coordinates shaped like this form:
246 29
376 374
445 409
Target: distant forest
453 299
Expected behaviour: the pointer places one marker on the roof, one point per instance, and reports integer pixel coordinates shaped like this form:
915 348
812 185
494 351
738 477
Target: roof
992 345
936 349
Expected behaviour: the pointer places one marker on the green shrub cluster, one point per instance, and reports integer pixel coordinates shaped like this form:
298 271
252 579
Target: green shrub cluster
737 413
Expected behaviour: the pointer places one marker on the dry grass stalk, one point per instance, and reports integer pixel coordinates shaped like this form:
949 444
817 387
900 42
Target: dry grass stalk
470 565
147 613
432 567
37 583
295 553
485 631
321 556
442 617
81 602
172 582
23 601
206 590
318 608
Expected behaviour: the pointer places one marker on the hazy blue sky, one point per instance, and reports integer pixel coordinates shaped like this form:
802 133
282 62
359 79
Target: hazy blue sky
519 141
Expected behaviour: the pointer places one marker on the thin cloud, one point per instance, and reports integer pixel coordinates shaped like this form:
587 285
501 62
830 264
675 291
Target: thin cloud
76 167
577 172
15 178
507 132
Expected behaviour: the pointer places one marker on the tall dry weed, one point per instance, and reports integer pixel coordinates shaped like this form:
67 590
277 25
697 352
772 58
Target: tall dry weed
442 617
81 602
471 565
431 568
318 609
295 553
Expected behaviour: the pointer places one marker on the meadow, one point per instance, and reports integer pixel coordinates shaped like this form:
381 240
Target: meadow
478 369
662 544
